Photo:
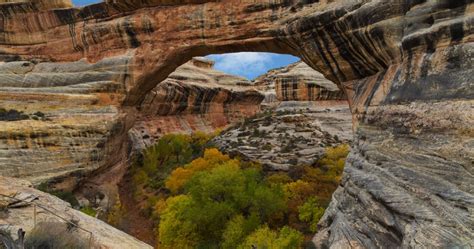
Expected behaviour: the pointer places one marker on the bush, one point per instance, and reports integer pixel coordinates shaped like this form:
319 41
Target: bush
54 235
89 211
12 115
115 214
63 195
334 160
278 178
6 239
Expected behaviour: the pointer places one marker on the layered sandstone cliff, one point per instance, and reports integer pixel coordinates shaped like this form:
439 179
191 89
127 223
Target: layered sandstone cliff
305 114
405 66
195 97
297 82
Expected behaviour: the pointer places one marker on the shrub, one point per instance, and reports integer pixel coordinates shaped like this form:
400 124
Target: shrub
12 115
267 146
115 214
63 195
265 238
334 160
278 178
89 211
54 235
175 230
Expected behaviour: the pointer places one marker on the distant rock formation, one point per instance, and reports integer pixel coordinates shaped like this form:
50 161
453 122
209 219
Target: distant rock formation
297 82
195 97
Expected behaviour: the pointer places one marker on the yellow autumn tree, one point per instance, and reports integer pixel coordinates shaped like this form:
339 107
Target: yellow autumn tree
297 193
180 176
335 159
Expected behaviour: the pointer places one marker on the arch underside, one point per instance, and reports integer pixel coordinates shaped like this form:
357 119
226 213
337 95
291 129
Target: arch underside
405 65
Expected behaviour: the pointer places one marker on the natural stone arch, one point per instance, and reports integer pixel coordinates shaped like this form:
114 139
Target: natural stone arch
405 66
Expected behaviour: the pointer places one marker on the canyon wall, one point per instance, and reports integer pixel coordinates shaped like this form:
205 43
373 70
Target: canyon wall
195 97
79 76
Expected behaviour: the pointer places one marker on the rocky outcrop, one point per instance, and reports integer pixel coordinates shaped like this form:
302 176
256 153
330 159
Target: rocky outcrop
297 82
39 4
291 135
408 180
22 206
195 97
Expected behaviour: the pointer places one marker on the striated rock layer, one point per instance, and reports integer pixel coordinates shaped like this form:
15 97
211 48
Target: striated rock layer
405 66
194 98
297 82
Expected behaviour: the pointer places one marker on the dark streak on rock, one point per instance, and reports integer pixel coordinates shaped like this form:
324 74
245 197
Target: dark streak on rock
131 34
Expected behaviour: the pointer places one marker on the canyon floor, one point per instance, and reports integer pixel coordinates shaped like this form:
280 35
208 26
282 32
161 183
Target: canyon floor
293 133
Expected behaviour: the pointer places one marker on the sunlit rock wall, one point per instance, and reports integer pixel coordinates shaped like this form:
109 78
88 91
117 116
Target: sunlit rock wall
298 82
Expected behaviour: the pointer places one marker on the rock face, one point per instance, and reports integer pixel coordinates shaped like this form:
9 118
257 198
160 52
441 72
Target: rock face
15 215
194 98
405 66
291 135
40 4
307 114
297 82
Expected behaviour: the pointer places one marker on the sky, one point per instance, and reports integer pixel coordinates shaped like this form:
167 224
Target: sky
246 64
250 64
85 2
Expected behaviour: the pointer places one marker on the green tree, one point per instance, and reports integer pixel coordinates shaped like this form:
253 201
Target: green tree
176 229
311 212
264 238
237 229
180 176
215 197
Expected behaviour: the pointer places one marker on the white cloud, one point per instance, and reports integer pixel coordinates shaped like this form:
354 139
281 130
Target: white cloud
246 64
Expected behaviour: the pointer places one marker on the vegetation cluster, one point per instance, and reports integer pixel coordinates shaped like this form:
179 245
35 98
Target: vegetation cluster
199 197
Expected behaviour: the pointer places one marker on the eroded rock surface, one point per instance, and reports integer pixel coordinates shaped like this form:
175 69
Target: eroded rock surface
408 181
20 214
297 82
294 134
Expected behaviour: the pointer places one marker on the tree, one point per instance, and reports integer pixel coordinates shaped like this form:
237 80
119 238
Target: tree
237 229
278 178
311 212
297 193
264 238
334 161
176 230
216 197
180 176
